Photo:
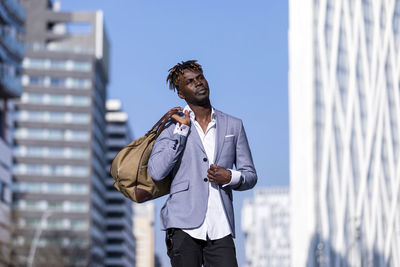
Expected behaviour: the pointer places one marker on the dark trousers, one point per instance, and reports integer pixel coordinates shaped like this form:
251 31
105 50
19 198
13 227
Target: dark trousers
186 251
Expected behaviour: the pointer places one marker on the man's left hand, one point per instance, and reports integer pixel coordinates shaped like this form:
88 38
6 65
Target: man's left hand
219 175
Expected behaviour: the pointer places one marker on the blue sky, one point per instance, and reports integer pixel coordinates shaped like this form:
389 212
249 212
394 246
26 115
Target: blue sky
243 48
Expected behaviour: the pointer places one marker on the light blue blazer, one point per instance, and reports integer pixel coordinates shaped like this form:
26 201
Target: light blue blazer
186 206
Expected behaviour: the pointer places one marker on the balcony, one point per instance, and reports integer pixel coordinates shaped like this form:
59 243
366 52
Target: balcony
118 248
119 261
116 142
112 208
8 38
116 235
115 221
10 85
114 195
15 10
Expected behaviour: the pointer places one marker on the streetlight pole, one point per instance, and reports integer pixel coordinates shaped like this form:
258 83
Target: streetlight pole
35 240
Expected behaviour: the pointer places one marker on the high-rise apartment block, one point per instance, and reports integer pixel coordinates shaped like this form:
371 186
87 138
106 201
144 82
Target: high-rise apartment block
120 244
344 78
266 224
12 17
59 153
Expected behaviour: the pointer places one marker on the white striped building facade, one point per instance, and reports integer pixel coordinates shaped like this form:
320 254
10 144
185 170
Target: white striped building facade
344 78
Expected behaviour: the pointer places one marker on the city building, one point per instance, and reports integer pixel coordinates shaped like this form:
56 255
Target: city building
120 246
144 233
266 224
59 148
12 17
344 73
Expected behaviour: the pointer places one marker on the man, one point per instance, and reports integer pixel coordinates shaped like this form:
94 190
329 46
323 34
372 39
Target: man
200 148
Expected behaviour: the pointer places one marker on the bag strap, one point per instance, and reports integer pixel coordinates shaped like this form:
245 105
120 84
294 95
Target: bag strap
161 123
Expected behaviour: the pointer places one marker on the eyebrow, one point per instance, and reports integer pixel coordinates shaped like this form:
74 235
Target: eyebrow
191 78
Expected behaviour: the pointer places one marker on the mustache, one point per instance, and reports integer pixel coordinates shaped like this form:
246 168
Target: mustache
201 88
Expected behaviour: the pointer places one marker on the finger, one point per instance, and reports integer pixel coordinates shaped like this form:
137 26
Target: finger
172 112
212 180
186 114
210 176
213 167
178 118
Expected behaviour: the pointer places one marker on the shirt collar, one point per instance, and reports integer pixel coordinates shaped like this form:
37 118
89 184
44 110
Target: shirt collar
192 115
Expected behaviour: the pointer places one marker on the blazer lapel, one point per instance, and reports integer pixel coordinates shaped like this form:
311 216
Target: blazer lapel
222 127
196 138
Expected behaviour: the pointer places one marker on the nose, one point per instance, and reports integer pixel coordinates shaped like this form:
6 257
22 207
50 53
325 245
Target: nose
197 81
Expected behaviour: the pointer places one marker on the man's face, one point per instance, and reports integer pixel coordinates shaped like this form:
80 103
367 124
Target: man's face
193 87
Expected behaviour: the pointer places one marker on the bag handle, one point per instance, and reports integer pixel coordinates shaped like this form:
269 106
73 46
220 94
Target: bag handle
161 123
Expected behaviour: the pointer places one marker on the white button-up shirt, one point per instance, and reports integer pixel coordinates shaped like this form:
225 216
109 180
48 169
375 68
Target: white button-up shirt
215 224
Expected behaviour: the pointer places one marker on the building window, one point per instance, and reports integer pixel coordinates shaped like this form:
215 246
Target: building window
56 117
36 80
45 188
57 82
55 99
50 170
45 134
58 64
79 224
2 122
1 191
67 65
78 206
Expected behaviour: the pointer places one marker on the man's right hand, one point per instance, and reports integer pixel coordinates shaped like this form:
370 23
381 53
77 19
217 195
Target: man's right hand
182 120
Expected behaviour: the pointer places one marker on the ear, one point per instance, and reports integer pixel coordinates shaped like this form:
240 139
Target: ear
181 96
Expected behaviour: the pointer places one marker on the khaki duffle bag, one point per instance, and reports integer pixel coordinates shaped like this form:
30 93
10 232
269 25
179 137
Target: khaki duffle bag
129 167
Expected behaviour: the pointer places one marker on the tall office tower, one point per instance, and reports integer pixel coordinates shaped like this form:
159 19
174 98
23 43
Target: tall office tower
59 152
143 227
12 17
344 132
265 222
120 247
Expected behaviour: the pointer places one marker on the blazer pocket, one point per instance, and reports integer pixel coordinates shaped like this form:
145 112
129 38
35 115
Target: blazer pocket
181 186
229 139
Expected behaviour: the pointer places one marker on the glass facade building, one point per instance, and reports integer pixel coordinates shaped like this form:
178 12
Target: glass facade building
344 98
12 18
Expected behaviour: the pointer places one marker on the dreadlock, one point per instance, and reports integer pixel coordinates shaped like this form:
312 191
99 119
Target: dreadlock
174 72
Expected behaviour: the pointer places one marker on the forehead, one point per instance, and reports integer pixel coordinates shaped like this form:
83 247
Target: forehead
189 73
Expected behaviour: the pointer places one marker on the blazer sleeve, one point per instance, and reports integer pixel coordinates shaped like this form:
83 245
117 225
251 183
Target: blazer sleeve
165 153
244 163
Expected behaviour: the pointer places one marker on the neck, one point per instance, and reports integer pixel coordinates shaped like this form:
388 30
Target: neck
203 112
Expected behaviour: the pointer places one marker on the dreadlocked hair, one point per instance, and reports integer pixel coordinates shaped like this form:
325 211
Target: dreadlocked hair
174 72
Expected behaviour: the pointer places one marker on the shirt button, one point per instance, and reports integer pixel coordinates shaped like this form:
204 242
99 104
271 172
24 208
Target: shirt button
204 159
205 179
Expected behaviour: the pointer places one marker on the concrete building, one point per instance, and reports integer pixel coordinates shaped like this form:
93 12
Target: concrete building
144 234
120 246
344 62
12 17
266 224
59 153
